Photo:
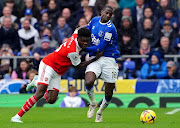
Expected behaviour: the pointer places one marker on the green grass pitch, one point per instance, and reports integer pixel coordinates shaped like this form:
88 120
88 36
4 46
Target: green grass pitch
76 118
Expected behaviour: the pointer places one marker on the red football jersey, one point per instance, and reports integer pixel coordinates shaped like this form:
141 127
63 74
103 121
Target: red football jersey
64 56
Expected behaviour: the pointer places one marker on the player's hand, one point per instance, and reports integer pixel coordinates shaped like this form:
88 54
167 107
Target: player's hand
99 54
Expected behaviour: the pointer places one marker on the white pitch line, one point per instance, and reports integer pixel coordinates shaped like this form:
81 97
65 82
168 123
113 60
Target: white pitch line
173 111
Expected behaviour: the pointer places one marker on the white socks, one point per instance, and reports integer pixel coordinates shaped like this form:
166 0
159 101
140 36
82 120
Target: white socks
104 105
91 95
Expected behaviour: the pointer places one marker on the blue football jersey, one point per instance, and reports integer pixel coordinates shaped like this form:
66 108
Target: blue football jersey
103 37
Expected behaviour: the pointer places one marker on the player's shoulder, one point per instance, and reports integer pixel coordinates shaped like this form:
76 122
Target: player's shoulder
97 18
111 27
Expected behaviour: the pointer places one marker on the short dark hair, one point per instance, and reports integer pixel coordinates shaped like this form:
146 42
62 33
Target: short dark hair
107 6
84 32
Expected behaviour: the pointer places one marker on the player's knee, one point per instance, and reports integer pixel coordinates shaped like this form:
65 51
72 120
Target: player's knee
51 100
89 83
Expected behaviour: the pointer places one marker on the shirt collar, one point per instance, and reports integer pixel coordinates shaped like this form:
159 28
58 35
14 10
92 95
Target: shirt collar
103 23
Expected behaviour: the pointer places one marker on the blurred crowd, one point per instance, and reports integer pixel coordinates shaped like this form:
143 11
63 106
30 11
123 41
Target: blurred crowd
145 27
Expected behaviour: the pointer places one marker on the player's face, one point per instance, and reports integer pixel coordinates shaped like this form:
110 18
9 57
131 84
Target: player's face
106 15
83 42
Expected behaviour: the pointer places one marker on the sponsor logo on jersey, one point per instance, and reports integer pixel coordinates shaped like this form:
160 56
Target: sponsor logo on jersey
94 40
107 36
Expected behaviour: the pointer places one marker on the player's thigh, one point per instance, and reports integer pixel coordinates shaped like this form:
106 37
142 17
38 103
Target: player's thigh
54 83
109 71
94 67
45 74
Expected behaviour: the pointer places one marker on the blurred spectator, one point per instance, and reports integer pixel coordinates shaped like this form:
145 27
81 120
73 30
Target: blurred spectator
46 32
137 12
44 50
5 64
169 16
127 45
126 12
165 47
16 6
29 4
88 13
30 74
7 12
81 10
70 19
127 27
45 22
127 4
85 3
173 4
149 14
160 10
73 5
43 3
143 50
173 70
28 35
129 69
176 43
150 33
72 100
92 2
116 18
82 22
26 52
53 11
153 4
9 35
21 71
28 16
61 31
168 31
99 5
155 68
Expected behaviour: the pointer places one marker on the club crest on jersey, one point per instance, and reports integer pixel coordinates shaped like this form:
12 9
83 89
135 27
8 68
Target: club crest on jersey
46 79
100 33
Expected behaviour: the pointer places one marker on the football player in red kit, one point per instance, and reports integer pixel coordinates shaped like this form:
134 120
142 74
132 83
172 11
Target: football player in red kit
53 66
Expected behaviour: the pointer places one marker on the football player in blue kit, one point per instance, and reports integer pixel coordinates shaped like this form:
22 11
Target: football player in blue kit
103 37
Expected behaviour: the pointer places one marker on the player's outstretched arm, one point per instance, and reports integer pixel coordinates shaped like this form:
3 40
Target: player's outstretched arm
85 63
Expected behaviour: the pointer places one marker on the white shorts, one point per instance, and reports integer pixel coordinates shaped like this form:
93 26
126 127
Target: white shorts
106 68
47 76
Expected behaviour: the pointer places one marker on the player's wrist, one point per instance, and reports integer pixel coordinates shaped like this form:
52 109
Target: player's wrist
94 59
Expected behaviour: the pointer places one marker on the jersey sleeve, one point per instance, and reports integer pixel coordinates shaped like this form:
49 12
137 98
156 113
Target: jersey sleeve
75 58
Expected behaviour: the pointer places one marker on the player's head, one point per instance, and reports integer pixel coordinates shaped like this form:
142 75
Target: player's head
106 13
84 37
